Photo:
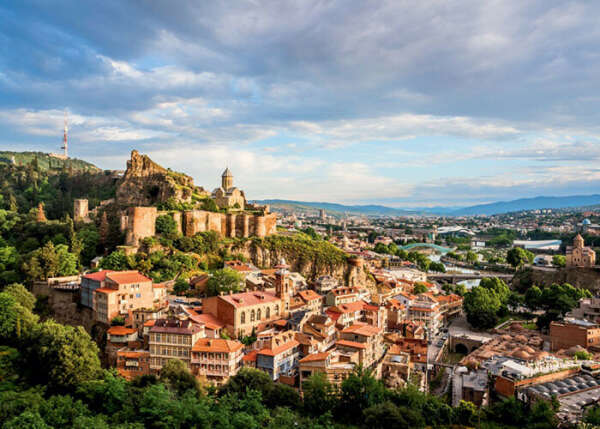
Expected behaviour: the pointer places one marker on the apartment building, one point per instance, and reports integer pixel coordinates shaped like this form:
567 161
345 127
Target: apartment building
280 356
121 293
173 338
574 332
216 359
133 363
336 366
367 340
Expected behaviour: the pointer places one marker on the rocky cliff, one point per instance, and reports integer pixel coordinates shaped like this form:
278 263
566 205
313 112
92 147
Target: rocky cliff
587 278
311 267
145 183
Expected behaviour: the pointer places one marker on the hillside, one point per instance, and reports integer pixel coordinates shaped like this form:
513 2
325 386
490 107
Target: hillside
46 162
337 209
499 207
535 203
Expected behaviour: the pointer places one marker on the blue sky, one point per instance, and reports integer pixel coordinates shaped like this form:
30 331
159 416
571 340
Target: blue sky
396 102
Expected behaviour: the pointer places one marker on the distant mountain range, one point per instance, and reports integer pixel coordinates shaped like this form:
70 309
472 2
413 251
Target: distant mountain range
499 207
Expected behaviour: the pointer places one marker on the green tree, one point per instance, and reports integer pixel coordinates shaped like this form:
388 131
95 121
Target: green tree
166 226
319 394
181 286
178 377
15 320
62 356
437 267
518 257
21 294
28 419
481 306
471 257
419 288
224 280
359 391
117 261
559 260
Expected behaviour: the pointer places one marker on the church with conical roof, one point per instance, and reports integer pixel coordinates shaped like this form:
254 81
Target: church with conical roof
580 255
228 196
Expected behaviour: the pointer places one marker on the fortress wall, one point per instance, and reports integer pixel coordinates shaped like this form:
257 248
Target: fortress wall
231 225
228 225
140 224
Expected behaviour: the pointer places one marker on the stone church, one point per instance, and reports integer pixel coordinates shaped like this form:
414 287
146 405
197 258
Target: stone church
228 196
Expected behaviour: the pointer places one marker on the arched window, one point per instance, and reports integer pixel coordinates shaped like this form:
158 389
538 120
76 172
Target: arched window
268 312
277 309
243 317
252 316
258 314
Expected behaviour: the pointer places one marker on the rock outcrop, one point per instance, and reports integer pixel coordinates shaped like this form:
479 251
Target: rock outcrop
348 272
587 278
145 183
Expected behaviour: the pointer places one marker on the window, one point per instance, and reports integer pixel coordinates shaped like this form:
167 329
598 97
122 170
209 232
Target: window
258 314
277 309
243 317
252 316
268 312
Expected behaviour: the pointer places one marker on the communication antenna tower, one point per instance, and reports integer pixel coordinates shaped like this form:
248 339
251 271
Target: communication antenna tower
65 145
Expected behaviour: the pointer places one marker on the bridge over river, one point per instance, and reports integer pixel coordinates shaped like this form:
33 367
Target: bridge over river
435 247
459 277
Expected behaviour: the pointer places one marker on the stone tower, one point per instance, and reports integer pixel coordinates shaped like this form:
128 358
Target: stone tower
227 179
578 241
80 210
40 215
282 286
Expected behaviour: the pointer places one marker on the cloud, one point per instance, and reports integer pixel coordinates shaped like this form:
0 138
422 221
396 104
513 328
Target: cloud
342 99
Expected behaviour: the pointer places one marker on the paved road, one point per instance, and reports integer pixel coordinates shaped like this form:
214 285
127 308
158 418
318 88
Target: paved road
460 326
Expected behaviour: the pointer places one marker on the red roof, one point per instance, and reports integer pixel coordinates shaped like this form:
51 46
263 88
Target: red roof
217 345
251 356
121 330
98 276
352 344
362 329
282 348
105 290
309 295
245 299
128 277
208 320
315 357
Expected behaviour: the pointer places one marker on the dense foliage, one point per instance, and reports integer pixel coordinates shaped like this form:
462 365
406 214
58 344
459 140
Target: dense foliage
304 249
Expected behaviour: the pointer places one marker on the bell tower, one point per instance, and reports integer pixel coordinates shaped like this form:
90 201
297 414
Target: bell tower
282 286
227 179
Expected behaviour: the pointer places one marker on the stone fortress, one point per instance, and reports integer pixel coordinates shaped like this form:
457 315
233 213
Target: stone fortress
145 183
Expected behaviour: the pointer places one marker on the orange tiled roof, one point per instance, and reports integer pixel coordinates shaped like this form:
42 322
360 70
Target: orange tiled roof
127 277
309 295
362 329
250 356
105 290
150 322
315 357
245 299
121 330
352 344
98 276
208 320
217 345
350 307
133 354
282 348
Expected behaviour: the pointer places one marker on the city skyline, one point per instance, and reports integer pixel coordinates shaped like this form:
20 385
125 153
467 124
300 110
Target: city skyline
402 105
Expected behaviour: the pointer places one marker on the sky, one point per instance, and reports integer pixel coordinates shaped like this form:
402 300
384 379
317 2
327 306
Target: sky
401 103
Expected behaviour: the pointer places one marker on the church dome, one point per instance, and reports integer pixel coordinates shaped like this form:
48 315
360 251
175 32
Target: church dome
227 173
